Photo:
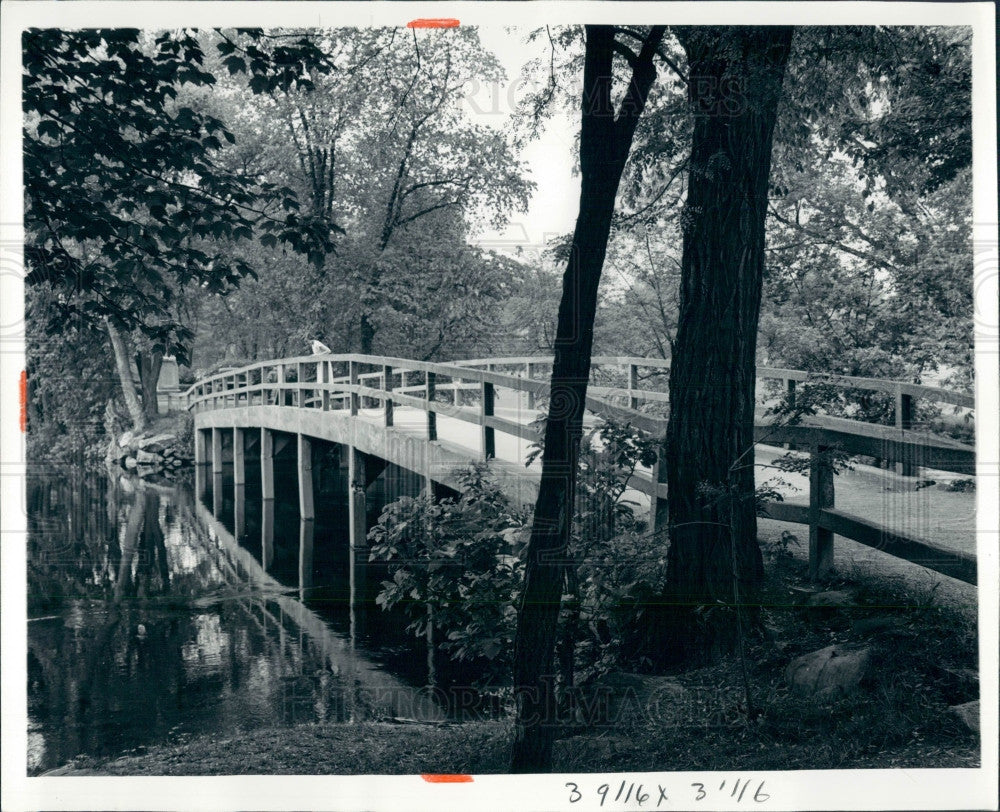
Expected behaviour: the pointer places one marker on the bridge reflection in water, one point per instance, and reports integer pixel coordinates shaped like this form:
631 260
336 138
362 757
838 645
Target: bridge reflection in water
150 622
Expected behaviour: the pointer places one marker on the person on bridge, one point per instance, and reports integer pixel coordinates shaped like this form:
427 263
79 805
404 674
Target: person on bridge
319 348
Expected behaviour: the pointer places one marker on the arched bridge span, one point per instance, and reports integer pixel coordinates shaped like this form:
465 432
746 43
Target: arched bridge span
434 419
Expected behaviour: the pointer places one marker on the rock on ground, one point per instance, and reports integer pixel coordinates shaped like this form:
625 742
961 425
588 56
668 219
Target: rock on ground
828 673
831 598
968 714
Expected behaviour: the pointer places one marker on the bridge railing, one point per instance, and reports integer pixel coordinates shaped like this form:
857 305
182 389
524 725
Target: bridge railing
467 391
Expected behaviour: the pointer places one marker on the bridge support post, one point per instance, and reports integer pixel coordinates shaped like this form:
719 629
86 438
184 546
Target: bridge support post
216 472
357 509
267 533
821 495
307 531
486 411
530 373
306 507
199 480
239 511
199 448
239 457
266 464
217 494
216 451
633 385
904 421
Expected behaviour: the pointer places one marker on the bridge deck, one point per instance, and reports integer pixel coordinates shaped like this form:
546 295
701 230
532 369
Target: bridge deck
314 397
944 517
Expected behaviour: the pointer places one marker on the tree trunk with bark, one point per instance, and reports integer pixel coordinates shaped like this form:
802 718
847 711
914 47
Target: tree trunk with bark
366 335
122 365
605 141
735 78
149 363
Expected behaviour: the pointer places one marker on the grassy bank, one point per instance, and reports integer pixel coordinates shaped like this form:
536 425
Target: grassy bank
923 660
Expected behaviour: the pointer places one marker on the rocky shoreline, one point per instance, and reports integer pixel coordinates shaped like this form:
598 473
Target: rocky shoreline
162 449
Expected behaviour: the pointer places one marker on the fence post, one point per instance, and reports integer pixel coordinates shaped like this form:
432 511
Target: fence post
531 375
387 387
658 518
486 410
324 374
633 384
279 399
432 429
821 495
904 421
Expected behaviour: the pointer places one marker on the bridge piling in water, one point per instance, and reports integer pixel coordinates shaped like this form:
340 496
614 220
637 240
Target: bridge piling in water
307 529
199 447
239 457
267 533
239 511
216 451
266 464
357 520
307 509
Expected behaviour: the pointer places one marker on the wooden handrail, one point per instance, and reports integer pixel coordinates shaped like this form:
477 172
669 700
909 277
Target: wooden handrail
467 370
816 434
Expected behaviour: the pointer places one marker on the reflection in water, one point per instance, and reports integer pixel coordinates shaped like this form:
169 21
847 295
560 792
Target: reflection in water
155 615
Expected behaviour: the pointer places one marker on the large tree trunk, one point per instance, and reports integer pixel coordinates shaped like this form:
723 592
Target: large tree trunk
125 378
605 141
149 363
735 77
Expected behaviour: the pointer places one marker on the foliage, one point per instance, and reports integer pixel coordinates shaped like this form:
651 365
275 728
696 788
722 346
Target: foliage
869 238
457 563
122 182
454 565
70 378
384 146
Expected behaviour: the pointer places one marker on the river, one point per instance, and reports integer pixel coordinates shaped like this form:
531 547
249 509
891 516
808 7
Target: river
150 622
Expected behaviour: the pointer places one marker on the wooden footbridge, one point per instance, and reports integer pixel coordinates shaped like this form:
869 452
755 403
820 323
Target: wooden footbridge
434 419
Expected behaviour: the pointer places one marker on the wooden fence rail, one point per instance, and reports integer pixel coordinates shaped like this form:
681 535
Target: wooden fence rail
350 381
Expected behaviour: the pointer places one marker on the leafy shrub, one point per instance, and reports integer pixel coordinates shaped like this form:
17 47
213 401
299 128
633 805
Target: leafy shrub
454 563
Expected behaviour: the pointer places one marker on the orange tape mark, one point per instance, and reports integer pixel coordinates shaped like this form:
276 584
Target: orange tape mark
24 400
428 22
431 778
